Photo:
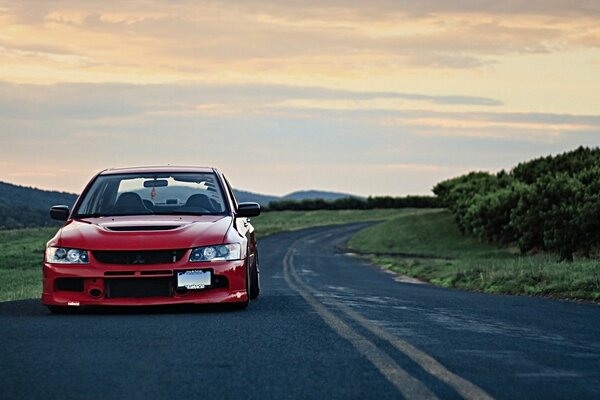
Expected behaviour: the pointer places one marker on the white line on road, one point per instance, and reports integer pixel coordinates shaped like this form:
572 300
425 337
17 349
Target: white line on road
402 380
466 389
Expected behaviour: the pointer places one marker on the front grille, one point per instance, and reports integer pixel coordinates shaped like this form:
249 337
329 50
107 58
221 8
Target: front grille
136 288
119 273
69 284
139 257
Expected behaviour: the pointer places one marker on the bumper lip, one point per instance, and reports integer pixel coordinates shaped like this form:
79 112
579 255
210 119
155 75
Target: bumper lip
83 300
94 276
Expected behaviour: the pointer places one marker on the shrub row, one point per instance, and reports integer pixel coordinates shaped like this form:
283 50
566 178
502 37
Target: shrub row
355 203
550 204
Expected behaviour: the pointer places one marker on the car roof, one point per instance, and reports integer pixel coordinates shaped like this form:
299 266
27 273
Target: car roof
158 169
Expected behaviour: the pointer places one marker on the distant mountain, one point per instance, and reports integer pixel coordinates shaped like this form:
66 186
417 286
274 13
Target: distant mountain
261 199
316 194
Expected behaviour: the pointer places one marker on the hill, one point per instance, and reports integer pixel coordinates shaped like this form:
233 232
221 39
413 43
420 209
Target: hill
316 194
15 195
22 207
262 199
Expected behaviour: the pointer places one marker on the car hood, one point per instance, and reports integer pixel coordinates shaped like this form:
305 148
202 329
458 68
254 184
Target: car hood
144 232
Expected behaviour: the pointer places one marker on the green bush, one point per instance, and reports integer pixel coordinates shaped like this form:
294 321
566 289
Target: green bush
550 204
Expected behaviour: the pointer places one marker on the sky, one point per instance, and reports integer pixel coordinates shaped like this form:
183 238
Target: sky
365 97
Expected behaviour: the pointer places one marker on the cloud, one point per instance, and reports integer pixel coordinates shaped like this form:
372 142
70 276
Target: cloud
200 40
89 101
95 111
518 126
35 11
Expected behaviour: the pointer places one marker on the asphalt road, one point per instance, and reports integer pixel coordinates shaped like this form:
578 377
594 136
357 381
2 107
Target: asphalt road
326 326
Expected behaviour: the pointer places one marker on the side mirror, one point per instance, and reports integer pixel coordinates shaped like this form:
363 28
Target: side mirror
248 209
60 213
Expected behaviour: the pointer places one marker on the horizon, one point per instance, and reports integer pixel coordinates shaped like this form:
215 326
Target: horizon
366 99
299 190
236 189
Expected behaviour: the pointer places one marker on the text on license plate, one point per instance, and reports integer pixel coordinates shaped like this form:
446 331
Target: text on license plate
194 279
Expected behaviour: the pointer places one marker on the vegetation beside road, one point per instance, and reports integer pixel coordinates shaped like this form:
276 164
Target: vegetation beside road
550 204
355 203
21 262
272 222
428 245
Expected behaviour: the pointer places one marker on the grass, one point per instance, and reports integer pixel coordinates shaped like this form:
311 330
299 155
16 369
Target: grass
428 246
280 221
21 252
21 262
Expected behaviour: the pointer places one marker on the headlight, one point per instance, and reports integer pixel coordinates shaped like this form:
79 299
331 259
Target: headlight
60 255
223 252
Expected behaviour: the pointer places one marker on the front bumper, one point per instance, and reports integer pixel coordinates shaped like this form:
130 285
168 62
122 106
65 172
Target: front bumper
133 285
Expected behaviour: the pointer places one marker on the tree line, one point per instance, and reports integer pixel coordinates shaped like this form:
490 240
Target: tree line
355 203
550 204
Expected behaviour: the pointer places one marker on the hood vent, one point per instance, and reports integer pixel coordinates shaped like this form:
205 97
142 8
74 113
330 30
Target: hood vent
142 228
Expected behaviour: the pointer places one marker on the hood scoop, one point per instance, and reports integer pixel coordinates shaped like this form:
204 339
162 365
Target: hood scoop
142 228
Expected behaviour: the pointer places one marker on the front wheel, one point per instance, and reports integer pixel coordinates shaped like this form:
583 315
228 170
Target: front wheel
254 278
244 304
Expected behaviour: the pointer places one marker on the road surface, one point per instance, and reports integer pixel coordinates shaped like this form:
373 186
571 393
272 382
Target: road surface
326 326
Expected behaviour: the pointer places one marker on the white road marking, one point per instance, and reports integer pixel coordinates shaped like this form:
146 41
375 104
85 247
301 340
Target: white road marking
465 388
402 380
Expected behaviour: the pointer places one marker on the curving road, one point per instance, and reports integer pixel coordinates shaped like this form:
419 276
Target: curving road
327 326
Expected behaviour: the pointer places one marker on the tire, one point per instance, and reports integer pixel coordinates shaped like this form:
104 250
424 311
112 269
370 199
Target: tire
244 304
254 279
61 310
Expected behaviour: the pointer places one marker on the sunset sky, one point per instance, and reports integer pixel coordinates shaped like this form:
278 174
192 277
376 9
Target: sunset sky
366 97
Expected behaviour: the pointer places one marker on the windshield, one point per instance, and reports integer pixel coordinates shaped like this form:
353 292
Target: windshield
145 194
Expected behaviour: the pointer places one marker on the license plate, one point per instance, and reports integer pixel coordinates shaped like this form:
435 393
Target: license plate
194 279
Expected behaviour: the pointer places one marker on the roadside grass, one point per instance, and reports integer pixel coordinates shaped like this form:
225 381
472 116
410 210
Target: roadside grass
21 250
21 262
429 247
272 222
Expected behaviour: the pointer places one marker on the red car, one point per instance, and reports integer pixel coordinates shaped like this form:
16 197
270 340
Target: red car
153 235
